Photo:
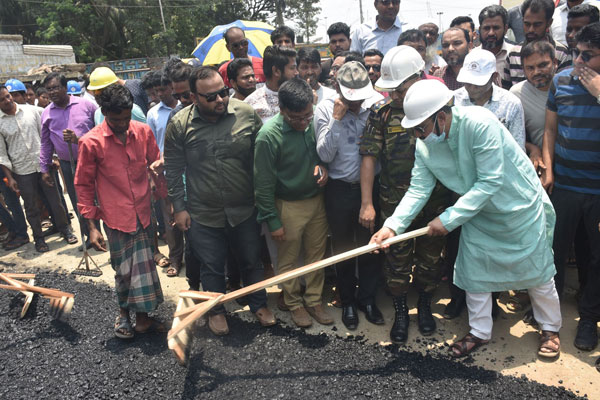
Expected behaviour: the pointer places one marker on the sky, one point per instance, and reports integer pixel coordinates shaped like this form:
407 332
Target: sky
412 12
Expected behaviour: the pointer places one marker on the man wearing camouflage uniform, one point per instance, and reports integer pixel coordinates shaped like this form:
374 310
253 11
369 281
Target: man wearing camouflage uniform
386 141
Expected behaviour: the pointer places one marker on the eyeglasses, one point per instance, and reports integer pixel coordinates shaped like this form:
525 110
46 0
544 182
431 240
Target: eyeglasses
335 68
585 55
376 67
421 129
241 43
305 118
53 88
210 97
185 95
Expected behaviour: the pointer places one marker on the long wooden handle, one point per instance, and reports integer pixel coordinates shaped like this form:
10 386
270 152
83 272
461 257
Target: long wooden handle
198 310
22 286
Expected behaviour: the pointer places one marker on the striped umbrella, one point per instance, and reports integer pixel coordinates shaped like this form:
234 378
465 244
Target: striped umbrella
212 49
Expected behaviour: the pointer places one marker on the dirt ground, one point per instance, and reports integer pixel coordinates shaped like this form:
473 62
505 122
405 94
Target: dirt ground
512 351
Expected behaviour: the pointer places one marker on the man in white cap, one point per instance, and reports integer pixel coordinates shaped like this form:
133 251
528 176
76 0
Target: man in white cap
339 124
478 75
387 143
506 216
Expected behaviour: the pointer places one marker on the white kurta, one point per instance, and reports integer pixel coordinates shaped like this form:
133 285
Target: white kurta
506 217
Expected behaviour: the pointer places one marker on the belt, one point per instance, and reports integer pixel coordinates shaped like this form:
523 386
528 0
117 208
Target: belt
350 185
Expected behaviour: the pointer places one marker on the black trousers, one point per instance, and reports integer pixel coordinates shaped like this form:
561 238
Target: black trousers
571 208
342 204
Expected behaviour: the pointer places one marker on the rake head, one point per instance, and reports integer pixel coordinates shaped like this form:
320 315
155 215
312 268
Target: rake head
60 307
84 266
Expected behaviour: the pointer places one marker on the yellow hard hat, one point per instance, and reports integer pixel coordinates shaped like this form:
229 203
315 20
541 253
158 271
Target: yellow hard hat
101 77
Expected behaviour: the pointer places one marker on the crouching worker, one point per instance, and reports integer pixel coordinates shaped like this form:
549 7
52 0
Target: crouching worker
113 166
506 217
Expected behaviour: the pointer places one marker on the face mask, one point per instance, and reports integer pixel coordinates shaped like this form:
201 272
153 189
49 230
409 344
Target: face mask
433 138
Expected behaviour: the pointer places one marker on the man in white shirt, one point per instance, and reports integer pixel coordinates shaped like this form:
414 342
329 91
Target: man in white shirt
380 34
478 74
279 65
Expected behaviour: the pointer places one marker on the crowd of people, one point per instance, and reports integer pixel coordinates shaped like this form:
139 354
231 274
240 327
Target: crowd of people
259 165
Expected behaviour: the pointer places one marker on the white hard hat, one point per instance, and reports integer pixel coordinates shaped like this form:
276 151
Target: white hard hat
399 64
423 99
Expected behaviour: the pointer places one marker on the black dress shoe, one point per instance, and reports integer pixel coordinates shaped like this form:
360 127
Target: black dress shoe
372 314
350 316
454 308
587 335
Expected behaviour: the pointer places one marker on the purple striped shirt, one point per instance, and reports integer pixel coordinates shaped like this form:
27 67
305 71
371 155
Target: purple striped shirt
78 116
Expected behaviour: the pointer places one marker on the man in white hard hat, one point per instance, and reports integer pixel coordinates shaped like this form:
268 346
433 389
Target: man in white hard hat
387 142
339 124
506 217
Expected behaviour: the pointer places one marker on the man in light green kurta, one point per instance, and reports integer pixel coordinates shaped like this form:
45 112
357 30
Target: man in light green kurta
506 217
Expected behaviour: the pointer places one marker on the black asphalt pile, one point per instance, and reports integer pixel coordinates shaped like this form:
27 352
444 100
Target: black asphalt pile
44 359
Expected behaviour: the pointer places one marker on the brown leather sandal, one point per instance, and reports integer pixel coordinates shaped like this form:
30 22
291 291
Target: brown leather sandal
462 349
549 344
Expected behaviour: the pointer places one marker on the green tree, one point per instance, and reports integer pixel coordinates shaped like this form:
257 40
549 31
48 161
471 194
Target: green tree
303 13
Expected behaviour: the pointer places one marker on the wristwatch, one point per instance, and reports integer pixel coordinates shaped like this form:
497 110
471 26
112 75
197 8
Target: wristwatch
598 99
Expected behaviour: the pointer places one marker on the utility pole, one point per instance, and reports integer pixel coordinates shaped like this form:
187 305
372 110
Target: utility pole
440 13
361 12
162 16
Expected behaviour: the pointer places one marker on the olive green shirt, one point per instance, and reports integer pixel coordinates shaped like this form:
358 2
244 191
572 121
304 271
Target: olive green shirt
217 159
284 164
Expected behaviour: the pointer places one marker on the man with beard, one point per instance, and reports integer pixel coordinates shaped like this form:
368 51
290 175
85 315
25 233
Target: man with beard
279 65
212 142
380 34
537 19
309 69
241 78
539 65
456 44
578 17
373 59
492 29
237 44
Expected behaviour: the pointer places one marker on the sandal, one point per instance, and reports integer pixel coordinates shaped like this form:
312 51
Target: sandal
155 327
161 260
462 349
16 243
123 328
173 270
69 237
518 301
549 344
41 247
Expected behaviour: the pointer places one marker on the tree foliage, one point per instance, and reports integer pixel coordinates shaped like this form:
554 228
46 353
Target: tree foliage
102 30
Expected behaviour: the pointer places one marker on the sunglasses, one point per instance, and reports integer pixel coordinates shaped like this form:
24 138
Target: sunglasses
241 43
388 2
376 67
185 95
586 56
210 97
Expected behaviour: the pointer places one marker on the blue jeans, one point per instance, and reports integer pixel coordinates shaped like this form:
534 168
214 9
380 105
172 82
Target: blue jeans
210 245
15 222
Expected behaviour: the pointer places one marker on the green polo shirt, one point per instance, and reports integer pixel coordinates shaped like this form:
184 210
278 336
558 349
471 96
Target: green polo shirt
217 159
284 163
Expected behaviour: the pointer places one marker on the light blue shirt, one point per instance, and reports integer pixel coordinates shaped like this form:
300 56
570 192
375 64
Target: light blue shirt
136 114
338 141
158 117
506 216
506 107
371 36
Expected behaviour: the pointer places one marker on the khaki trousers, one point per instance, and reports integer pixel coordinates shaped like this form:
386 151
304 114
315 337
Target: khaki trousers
305 226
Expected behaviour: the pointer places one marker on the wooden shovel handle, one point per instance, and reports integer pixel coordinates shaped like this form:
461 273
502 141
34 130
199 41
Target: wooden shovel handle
22 286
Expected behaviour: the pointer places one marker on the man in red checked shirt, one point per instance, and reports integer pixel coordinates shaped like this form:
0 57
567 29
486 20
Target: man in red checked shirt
113 167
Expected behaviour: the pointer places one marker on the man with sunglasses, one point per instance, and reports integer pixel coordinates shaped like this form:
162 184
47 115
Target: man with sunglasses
237 44
212 143
506 217
571 158
380 34
387 143
373 59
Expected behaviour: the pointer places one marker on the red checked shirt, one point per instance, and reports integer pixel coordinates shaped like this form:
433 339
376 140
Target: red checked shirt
117 175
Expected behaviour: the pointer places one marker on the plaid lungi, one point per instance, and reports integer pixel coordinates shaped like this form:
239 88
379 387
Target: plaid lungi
136 280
